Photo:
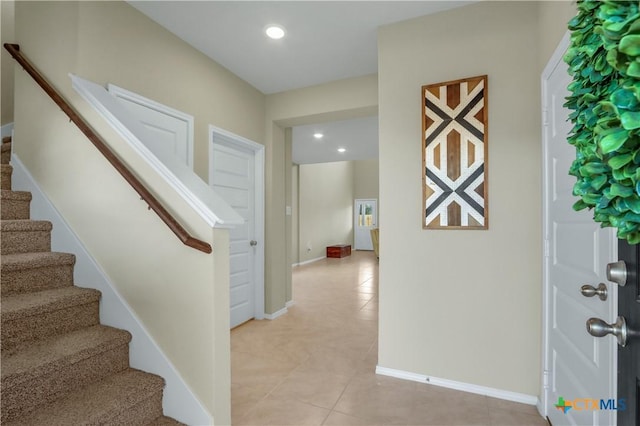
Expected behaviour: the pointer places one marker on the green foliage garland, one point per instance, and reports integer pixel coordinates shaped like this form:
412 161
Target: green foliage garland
604 60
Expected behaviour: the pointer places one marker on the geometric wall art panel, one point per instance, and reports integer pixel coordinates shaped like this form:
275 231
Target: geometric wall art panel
454 154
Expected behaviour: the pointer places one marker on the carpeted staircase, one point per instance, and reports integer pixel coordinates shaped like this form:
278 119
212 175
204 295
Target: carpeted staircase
59 366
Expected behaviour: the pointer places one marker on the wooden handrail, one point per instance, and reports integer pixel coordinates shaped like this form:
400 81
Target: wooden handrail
138 186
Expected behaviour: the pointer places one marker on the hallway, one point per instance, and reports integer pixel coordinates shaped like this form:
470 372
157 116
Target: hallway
316 364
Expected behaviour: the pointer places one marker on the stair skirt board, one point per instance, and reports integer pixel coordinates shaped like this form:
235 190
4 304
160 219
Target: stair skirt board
6 130
179 401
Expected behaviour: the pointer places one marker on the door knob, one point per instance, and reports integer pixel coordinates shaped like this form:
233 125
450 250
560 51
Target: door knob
253 243
598 328
617 272
590 291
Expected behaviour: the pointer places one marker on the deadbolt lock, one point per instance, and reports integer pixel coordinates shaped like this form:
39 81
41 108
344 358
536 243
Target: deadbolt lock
617 272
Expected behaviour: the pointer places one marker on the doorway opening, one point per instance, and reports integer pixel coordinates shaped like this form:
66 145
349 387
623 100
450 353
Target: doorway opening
365 220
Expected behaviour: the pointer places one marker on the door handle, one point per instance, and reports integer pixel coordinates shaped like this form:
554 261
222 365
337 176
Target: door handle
617 272
598 328
253 243
590 291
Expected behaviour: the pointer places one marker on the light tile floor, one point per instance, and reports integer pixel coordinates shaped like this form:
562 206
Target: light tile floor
316 364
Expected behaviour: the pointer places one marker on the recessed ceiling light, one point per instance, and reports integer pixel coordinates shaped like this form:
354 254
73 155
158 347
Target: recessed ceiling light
341 149
275 32
318 135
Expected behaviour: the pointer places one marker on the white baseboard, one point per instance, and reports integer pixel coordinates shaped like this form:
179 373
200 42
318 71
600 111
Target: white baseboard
276 314
289 304
6 130
461 386
306 262
179 401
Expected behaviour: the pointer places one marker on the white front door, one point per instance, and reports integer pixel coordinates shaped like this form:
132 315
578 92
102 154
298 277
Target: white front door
577 366
234 176
365 219
172 129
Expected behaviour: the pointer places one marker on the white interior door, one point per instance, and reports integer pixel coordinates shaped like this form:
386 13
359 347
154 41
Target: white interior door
234 176
577 365
365 219
173 129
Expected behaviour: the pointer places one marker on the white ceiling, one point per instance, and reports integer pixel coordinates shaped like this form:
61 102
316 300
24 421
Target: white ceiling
325 41
358 136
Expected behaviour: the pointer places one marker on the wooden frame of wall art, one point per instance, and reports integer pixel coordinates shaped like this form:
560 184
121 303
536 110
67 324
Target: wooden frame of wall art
454 154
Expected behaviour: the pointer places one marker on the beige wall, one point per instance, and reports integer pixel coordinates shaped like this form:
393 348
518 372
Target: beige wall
326 207
366 178
463 305
554 16
7 13
276 266
179 294
339 100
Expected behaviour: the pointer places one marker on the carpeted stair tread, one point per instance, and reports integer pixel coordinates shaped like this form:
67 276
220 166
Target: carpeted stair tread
43 314
7 194
24 236
30 360
21 261
30 272
104 402
29 304
15 204
36 374
25 225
